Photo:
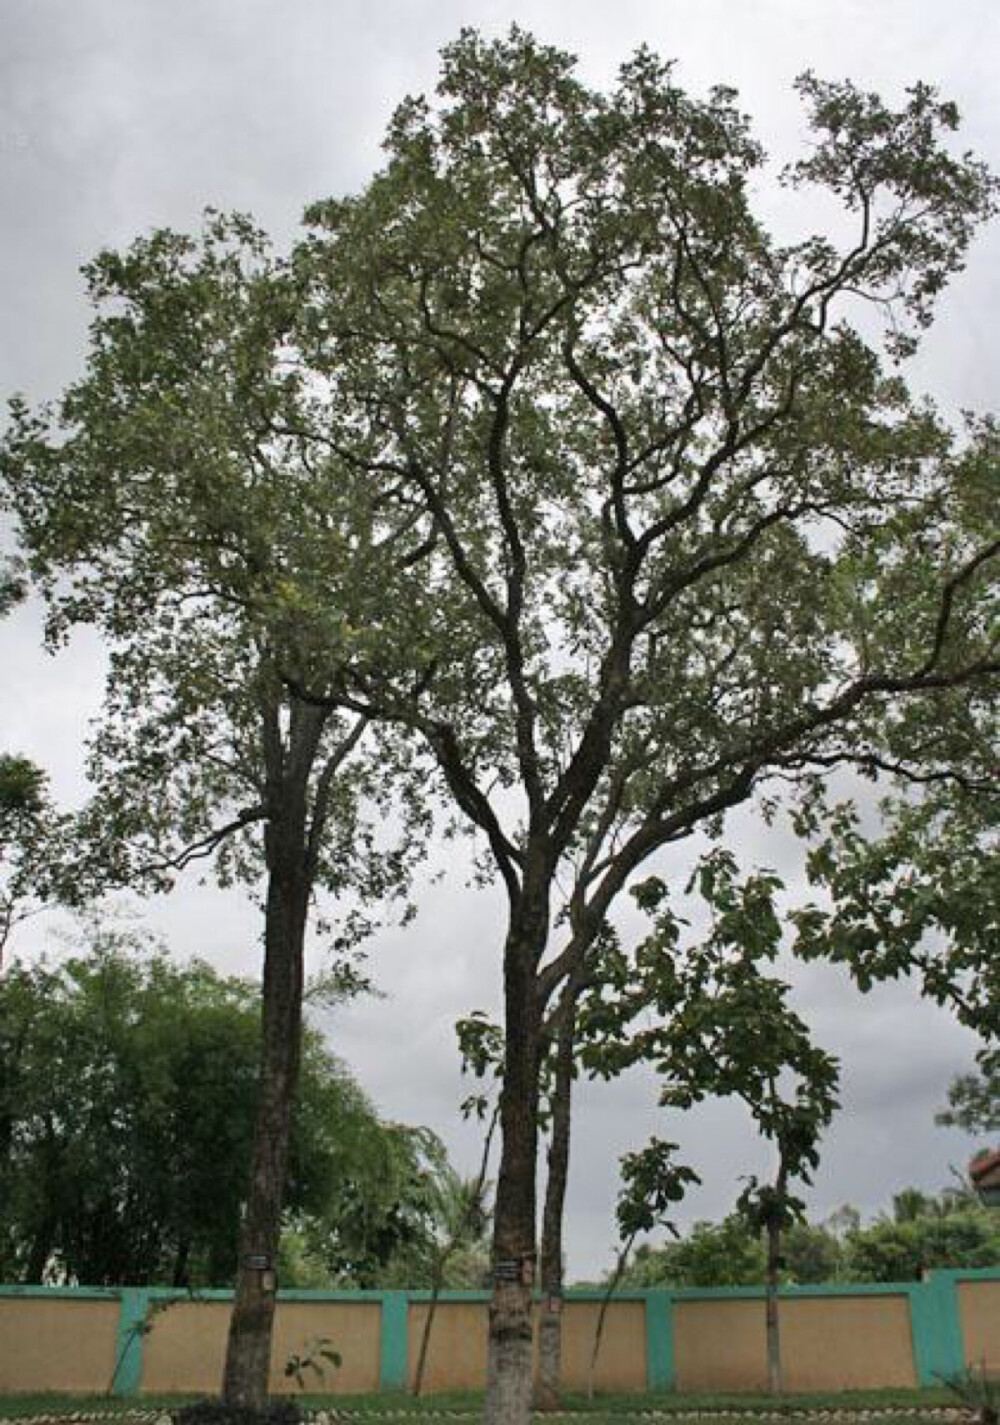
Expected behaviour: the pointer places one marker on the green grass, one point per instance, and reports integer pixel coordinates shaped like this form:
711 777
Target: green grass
611 1408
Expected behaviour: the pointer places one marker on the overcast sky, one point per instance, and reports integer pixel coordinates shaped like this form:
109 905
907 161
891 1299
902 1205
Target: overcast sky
121 115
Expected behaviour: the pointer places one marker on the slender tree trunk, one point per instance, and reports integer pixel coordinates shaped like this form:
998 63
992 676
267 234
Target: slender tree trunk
41 1250
248 1356
508 1393
425 1339
772 1325
180 1275
547 1384
616 1277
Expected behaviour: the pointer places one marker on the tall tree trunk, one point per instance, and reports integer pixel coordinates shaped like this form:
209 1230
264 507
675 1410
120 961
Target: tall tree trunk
547 1384
248 1355
508 1392
772 1326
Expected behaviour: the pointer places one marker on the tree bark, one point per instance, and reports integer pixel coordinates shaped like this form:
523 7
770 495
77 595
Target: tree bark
248 1355
772 1324
508 1393
547 1383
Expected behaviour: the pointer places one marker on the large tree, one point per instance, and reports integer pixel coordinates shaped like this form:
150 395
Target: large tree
670 488
157 501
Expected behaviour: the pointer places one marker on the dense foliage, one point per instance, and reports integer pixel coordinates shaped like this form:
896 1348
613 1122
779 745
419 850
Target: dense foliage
921 1233
127 1088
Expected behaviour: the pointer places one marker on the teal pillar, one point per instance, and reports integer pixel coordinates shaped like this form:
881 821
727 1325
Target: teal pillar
133 1306
660 1368
937 1329
393 1345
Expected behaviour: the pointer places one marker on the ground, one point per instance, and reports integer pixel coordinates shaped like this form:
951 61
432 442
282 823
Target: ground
911 1407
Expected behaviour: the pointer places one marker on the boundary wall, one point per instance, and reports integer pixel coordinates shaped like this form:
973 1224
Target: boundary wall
135 1340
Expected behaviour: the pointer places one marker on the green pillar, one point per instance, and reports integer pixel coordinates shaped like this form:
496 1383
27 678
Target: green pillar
660 1373
393 1346
133 1304
937 1329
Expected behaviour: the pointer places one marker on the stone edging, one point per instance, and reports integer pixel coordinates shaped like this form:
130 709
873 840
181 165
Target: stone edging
946 1414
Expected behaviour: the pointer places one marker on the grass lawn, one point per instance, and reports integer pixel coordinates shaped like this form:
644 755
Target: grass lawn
615 1409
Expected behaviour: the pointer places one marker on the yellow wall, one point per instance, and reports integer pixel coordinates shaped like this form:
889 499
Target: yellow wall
185 1350
57 1344
828 1343
621 1365
836 1343
456 1356
979 1313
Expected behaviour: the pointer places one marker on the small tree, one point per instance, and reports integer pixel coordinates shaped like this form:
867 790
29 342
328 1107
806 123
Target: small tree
726 1029
652 1186
769 1210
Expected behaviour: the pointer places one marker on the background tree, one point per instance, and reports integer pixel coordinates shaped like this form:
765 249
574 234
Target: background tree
393 1202
158 501
945 1233
906 1248
670 493
127 1092
974 1101
31 837
725 1253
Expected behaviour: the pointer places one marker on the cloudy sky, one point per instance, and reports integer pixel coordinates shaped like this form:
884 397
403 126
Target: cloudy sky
121 115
